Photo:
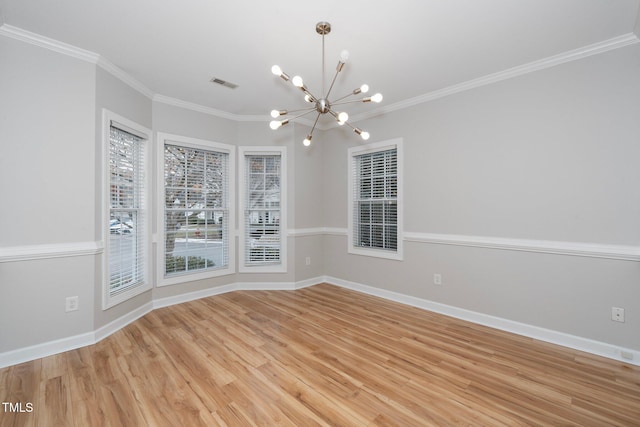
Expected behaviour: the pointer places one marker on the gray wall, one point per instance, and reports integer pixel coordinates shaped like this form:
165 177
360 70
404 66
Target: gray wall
46 173
551 155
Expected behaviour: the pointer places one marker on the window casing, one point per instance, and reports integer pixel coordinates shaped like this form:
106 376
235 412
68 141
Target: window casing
126 267
375 200
196 209
263 232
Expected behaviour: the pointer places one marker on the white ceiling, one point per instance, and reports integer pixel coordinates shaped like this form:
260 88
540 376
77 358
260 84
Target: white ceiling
402 48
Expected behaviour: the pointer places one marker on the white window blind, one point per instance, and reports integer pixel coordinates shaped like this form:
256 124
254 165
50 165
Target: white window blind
375 200
196 210
263 237
126 247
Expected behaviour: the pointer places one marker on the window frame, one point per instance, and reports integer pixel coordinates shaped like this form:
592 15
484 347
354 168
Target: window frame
110 119
198 144
245 151
371 149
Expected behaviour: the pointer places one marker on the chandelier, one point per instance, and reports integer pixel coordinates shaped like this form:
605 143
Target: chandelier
322 104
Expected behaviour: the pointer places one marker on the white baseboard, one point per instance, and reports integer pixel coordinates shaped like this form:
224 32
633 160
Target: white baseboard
191 296
554 337
50 348
119 323
610 351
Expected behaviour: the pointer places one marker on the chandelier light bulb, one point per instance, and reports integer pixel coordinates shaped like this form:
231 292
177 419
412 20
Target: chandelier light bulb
344 56
364 88
275 124
307 141
377 97
275 113
297 81
276 70
342 118
308 98
365 135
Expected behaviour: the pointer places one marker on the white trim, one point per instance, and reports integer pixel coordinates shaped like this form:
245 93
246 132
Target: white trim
192 296
610 351
560 338
583 249
184 141
304 232
119 323
49 348
62 345
48 251
593 250
552 61
336 231
123 76
94 58
196 107
48 43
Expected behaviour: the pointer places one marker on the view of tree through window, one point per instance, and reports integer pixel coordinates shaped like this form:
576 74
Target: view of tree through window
196 209
126 221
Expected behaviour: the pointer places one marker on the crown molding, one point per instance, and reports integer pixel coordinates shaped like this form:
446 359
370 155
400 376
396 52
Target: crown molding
47 43
126 78
552 61
194 107
94 58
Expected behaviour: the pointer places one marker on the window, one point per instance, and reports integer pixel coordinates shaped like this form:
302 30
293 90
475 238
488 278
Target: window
263 204
126 251
375 200
196 213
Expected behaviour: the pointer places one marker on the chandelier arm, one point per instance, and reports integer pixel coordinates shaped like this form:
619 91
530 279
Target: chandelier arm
300 109
350 125
347 102
303 114
344 97
333 81
314 124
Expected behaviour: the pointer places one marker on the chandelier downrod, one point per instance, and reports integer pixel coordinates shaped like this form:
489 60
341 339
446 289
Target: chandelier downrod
322 105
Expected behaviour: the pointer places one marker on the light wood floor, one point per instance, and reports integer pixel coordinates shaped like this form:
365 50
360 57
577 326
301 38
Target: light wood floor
317 356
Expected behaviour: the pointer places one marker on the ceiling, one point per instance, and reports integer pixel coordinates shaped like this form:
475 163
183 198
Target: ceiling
403 48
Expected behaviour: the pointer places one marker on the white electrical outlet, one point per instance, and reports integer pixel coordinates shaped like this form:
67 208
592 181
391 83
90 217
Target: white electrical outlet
617 314
307 260
71 304
437 279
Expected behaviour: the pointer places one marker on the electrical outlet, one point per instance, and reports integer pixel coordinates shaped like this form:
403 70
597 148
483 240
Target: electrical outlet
617 314
71 304
437 279
307 260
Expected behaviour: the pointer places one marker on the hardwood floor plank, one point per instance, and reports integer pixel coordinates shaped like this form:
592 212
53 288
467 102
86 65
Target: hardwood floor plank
319 356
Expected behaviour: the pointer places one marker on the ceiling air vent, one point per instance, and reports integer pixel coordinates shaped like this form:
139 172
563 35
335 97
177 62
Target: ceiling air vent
224 83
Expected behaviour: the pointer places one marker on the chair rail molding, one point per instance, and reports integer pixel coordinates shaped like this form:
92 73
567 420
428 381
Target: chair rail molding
47 251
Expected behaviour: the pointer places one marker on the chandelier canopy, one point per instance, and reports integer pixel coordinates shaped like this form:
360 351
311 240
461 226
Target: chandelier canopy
322 104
